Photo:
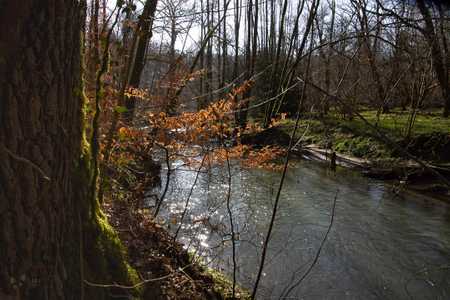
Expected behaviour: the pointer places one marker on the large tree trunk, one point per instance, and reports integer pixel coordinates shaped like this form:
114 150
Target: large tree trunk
51 238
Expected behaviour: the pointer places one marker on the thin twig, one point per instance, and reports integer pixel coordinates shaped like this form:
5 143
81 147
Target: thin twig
316 257
28 162
166 187
130 287
230 216
189 197
277 198
302 137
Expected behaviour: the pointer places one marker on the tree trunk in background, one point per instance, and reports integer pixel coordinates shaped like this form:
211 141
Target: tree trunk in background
144 33
200 103
219 47
276 83
209 53
326 104
249 63
370 53
94 42
172 103
439 63
46 206
272 37
237 23
224 46
255 38
126 29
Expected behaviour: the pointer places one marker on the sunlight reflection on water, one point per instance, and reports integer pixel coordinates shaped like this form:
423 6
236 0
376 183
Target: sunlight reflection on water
377 246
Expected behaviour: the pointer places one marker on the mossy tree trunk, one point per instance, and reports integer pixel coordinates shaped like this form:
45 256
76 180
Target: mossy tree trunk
52 234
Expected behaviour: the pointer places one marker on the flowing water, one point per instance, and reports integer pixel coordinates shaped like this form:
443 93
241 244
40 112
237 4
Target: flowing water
381 245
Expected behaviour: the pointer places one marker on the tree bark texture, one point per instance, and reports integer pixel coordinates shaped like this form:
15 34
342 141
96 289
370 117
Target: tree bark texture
49 239
40 134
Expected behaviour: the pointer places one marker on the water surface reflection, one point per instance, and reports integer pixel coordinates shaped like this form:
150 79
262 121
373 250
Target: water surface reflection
380 246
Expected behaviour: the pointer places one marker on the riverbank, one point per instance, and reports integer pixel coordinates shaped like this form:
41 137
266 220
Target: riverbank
166 270
357 146
163 268
428 139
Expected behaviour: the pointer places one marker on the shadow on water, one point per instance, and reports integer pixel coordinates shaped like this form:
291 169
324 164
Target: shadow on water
380 247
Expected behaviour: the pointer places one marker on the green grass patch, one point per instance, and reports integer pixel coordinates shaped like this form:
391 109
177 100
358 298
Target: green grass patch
354 137
396 123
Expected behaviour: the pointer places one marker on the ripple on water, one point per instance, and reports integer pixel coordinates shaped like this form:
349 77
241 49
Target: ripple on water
378 248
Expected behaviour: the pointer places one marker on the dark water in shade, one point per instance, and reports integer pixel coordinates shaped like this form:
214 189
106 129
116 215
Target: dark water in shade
381 246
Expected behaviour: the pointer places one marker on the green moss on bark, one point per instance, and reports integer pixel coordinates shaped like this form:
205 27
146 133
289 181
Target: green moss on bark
106 260
102 256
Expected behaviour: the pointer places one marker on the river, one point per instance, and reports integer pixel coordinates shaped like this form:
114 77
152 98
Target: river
380 246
